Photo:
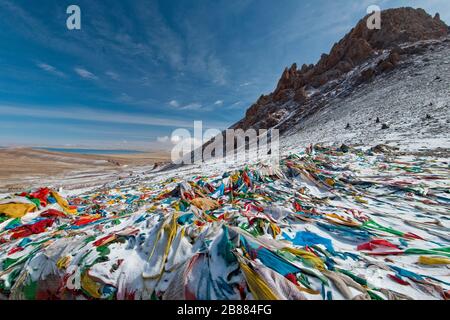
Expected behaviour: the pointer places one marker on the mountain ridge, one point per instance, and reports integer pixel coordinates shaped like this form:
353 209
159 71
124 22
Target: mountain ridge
303 88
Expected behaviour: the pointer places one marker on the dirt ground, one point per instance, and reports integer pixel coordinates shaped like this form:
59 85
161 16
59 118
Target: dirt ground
21 167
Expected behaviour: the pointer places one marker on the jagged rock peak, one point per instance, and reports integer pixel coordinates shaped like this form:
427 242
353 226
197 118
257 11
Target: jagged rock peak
399 26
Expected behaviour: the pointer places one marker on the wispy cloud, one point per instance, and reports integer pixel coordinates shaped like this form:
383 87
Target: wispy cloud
217 70
163 139
85 73
50 69
113 75
92 115
202 57
190 106
218 103
236 105
166 44
174 104
124 97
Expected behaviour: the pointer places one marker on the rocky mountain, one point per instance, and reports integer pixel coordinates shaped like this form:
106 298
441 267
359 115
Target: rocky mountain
359 58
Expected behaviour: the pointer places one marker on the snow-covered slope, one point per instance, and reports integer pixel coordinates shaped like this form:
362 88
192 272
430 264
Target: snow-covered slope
413 101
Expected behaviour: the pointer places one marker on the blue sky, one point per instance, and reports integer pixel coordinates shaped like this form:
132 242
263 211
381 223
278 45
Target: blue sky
139 69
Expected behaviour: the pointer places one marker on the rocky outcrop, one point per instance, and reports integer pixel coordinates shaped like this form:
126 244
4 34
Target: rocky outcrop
399 26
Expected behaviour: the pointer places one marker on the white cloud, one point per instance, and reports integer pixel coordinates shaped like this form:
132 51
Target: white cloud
192 106
50 69
112 75
174 103
85 74
245 84
236 104
218 103
164 139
